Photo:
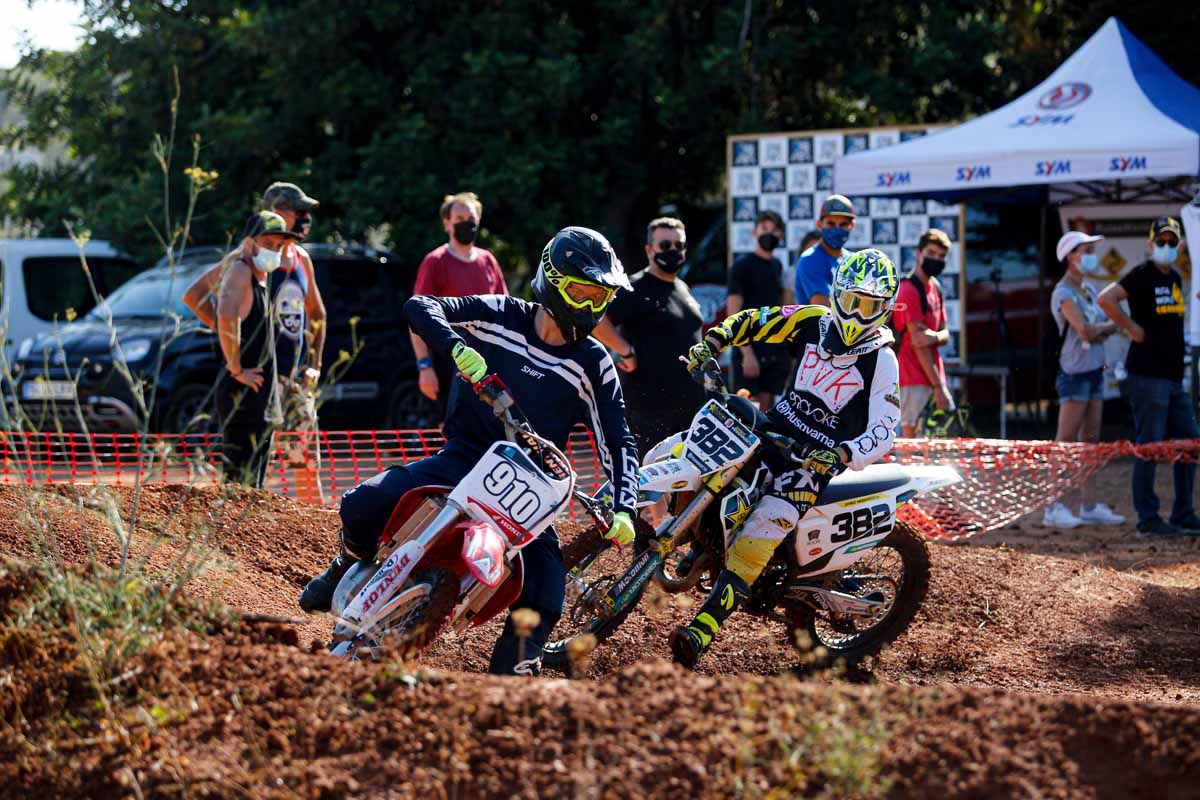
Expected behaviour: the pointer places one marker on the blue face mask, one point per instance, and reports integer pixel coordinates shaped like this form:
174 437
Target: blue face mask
835 237
1088 262
1165 254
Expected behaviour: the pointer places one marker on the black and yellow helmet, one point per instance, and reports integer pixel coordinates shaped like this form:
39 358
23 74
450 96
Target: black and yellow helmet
578 275
864 291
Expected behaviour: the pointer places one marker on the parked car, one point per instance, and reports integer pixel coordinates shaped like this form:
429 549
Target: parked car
42 281
75 372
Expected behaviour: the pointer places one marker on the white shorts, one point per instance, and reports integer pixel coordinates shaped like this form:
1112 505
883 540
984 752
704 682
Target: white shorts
913 400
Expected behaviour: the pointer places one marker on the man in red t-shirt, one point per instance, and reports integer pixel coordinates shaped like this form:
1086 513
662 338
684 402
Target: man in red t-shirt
921 329
455 269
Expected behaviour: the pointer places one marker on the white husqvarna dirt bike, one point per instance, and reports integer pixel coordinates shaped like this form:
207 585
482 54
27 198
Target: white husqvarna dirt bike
851 574
450 557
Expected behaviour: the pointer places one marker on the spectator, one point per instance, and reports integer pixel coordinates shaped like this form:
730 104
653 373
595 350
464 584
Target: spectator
296 305
1083 328
1154 382
247 393
814 270
455 269
920 324
756 281
648 328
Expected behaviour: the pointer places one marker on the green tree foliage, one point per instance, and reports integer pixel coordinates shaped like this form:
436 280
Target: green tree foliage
584 113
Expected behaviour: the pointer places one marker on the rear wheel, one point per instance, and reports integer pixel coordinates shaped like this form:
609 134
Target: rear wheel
895 572
188 410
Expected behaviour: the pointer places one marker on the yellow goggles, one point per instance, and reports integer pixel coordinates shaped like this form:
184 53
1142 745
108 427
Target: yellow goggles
580 293
862 306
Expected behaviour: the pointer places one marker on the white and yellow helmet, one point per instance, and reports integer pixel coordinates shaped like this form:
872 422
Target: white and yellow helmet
864 292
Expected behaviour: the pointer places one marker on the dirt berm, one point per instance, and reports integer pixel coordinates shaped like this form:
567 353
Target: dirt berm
1026 675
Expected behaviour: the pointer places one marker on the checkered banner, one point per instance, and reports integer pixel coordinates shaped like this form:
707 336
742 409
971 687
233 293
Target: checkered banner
791 173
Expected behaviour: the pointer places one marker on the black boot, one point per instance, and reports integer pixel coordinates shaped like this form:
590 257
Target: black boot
688 644
318 594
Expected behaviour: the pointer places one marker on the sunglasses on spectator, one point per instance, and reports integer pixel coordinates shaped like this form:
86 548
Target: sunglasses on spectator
1166 241
665 245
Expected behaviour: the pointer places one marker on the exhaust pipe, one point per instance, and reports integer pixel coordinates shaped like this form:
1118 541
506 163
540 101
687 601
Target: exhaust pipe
688 582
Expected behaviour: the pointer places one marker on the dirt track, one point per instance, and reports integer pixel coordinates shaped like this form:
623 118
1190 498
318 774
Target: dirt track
1014 619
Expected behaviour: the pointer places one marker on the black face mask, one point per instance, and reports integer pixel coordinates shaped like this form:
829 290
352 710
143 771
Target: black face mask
464 231
768 242
933 266
302 223
669 261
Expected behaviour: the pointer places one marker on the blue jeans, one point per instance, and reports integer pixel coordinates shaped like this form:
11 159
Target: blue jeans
365 509
1161 410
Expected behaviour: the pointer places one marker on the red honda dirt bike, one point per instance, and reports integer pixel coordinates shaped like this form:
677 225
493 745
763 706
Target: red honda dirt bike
450 557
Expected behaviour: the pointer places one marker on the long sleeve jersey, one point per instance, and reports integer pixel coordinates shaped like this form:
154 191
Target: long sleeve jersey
555 386
853 400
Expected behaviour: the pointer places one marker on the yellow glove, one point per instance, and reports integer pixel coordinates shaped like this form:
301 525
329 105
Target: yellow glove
698 354
469 362
621 531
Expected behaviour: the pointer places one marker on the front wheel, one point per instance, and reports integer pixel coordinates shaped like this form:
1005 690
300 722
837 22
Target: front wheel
413 625
896 571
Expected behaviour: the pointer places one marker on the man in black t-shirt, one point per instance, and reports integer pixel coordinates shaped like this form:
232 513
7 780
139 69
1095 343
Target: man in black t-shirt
1154 386
648 328
756 281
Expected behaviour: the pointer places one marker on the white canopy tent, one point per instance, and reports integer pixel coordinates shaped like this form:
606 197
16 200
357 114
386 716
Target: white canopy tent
1113 111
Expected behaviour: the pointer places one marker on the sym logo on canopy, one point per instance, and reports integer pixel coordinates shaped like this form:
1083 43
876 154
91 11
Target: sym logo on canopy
1064 96
1059 98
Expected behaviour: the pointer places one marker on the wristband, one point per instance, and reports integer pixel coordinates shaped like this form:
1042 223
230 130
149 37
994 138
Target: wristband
424 363
632 352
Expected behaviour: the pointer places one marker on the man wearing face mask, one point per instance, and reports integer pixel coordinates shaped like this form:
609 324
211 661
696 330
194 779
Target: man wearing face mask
814 270
920 324
457 268
756 281
648 328
248 402
1154 368
296 304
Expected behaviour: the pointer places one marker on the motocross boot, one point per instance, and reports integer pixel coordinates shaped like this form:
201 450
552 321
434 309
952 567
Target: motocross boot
318 594
688 644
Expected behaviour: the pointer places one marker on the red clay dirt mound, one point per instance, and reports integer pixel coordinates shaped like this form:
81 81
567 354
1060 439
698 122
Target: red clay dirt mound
255 714
995 616
240 715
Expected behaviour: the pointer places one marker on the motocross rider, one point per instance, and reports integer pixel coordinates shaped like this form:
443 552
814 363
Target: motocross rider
842 406
557 375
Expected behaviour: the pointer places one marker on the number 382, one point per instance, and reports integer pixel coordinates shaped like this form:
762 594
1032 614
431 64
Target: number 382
862 523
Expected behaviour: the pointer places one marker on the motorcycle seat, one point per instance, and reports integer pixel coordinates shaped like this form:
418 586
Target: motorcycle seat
872 480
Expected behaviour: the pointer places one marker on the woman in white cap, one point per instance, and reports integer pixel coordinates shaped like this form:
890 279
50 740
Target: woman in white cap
1082 327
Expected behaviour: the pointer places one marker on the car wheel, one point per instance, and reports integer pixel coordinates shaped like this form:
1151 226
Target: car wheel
188 409
408 409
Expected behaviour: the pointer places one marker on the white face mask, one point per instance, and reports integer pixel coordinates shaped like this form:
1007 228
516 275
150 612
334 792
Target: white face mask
267 260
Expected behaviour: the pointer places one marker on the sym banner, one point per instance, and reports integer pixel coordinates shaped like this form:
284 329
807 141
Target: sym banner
792 173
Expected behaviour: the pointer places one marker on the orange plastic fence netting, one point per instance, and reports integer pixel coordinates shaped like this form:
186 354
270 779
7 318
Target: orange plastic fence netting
1002 479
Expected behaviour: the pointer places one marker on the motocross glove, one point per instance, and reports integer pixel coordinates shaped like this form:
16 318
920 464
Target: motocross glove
469 362
821 461
698 354
621 531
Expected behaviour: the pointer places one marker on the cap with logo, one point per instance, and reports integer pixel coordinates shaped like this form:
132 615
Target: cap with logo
1165 225
837 205
263 223
1072 239
289 195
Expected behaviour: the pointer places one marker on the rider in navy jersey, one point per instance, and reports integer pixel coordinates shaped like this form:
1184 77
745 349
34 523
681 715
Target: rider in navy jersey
558 377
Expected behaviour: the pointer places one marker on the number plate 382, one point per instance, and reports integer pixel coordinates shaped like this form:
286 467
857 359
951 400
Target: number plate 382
717 439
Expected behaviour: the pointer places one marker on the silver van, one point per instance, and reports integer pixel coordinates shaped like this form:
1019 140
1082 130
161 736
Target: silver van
42 282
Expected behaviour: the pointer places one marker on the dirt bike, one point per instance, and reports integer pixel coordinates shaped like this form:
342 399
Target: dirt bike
450 557
852 575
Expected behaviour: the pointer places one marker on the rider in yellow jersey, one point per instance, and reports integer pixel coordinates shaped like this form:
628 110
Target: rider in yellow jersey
842 405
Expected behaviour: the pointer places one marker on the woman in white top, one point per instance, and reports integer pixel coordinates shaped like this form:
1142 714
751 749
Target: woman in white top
1083 328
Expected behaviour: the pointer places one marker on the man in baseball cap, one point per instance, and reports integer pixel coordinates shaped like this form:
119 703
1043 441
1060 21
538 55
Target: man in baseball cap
1154 382
814 269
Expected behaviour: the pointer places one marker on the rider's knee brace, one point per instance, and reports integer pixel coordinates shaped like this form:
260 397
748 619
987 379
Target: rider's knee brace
773 518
